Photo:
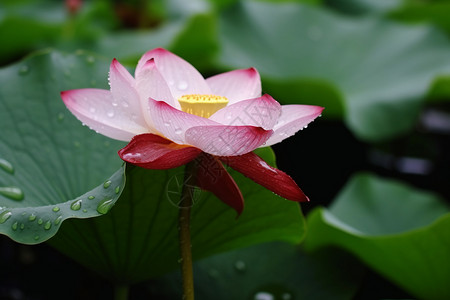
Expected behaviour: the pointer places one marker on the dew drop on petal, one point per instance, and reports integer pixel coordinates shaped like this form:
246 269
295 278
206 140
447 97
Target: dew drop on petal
178 131
182 85
110 114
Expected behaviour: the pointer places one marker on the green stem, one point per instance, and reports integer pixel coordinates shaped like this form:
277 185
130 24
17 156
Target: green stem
121 292
184 232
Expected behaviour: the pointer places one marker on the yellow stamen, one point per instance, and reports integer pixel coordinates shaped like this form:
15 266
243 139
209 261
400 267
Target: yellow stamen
202 105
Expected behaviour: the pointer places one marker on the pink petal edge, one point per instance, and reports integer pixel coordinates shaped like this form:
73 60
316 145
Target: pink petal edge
255 168
292 119
224 140
236 85
261 112
181 77
93 107
151 151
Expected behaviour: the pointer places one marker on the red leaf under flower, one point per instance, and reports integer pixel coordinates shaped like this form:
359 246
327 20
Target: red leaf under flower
255 168
213 177
152 151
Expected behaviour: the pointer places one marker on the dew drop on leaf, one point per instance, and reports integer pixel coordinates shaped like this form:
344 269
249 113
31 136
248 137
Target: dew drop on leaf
32 217
107 184
47 225
6 166
58 220
105 205
12 192
76 205
4 216
15 226
55 209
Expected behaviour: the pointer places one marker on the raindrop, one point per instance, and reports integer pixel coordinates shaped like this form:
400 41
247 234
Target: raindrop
12 192
115 104
40 221
36 237
32 217
105 205
167 124
182 85
23 70
91 197
47 225
90 59
4 216
178 131
107 184
55 209
85 210
60 117
240 266
117 190
263 296
306 126
14 226
125 103
228 115
58 220
6 166
110 114
76 205
22 226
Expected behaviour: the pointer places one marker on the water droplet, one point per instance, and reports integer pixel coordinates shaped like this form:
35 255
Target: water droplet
4 216
105 205
23 70
58 220
117 190
60 117
40 221
110 114
306 126
182 85
263 296
286 296
14 226
178 131
32 217
12 192
85 210
107 184
36 237
6 166
90 59
125 103
228 115
76 205
55 209
167 124
91 197
22 226
240 266
47 225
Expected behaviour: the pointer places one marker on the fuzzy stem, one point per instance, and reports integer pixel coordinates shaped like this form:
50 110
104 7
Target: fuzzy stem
184 231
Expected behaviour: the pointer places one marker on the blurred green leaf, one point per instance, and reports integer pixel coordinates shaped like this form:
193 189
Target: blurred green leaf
48 161
400 232
378 72
138 238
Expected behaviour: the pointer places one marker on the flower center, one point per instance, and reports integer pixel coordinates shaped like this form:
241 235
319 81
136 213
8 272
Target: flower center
202 105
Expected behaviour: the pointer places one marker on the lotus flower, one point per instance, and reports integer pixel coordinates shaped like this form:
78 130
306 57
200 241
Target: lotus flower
171 115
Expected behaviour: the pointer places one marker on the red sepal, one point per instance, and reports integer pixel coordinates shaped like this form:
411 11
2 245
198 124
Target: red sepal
152 151
213 177
255 168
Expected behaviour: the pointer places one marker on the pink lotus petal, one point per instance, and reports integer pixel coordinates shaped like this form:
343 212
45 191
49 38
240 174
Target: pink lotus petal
94 107
212 176
293 118
226 140
173 123
181 77
151 84
261 112
255 168
236 85
151 151
126 99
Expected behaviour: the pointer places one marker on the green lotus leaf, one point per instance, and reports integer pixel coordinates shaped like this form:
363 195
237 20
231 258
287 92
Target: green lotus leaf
399 231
